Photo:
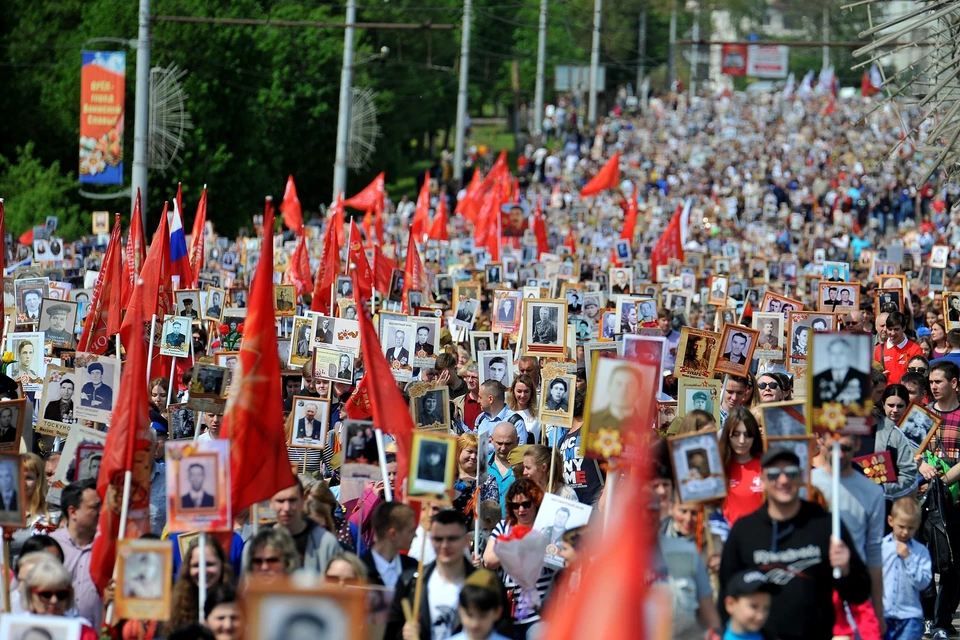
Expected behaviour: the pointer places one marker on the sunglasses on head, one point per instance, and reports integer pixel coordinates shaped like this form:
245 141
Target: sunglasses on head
768 385
792 472
524 504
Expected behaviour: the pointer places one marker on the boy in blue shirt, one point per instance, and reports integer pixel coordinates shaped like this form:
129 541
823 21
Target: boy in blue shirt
748 604
906 572
480 607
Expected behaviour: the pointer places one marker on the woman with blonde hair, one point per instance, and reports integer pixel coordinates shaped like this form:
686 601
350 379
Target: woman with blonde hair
47 590
346 568
522 399
273 553
466 484
537 465
40 518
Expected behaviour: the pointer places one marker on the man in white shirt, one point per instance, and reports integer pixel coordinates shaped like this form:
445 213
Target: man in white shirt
212 421
494 410
394 526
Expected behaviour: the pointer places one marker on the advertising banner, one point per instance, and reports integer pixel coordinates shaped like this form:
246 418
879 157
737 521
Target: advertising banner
733 61
767 61
102 83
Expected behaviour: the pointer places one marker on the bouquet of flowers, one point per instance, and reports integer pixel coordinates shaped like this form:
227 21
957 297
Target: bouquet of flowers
521 556
230 339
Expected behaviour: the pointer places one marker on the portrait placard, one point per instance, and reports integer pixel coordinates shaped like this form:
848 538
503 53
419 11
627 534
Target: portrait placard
346 336
666 414
301 344
784 419
98 377
696 353
838 297
100 223
310 419
30 626
505 316
285 300
176 334
620 281
800 326
58 321
544 324
57 403
697 469
699 393
213 308
208 389
651 350
555 517
432 467
30 293
556 401
620 409
480 341
427 343
718 291
188 303
609 323
144 579
951 309
839 383
182 421
770 341
773 303
66 471
12 491
430 406
918 423
939 254
198 485
737 344
836 271
888 300
496 365
324 331
284 608
360 452
28 366
88 461
465 312
397 343
594 350
334 365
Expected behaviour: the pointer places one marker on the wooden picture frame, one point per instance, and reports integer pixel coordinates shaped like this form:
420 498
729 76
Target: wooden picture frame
698 473
697 352
730 341
919 424
310 604
144 579
433 463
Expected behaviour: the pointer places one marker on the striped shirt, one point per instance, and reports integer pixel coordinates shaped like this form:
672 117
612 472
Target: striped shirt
547 575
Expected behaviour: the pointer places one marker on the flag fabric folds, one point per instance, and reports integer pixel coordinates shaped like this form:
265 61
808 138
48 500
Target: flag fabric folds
370 197
179 258
136 251
668 246
290 208
357 262
438 228
156 292
421 214
298 269
197 239
630 221
253 419
540 229
329 269
607 178
103 317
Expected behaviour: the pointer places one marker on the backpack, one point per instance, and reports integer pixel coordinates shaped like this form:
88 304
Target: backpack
938 525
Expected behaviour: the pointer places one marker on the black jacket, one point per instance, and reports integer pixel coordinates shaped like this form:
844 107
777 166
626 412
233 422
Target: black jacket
795 555
408 568
406 588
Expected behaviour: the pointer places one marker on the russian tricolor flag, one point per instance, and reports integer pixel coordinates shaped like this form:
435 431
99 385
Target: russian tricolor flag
179 260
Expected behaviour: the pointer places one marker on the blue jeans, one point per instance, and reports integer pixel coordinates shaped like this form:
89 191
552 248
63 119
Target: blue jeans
911 629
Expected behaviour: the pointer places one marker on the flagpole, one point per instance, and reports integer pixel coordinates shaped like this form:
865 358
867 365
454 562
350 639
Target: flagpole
203 573
382 454
122 532
834 502
6 567
153 331
173 371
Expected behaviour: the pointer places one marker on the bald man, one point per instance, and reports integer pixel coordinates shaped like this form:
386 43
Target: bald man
503 440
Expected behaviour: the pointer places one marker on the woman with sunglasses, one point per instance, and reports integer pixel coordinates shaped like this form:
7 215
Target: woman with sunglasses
273 553
894 403
523 502
938 336
741 446
919 364
47 590
770 388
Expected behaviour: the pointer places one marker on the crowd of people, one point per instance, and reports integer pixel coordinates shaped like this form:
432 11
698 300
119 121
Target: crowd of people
767 189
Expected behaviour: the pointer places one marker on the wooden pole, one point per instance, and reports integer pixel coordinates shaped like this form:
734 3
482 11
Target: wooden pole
153 333
418 591
382 455
203 573
6 567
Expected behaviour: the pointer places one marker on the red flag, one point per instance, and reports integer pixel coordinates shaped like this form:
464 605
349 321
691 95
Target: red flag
630 221
608 600
156 291
469 205
414 278
179 200
298 269
253 420
540 229
336 216
421 215
329 269
136 251
367 226
830 108
103 316
358 264
438 228
290 207
383 268
371 197
197 239
358 405
668 246
571 241
607 178
128 449
26 238
389 410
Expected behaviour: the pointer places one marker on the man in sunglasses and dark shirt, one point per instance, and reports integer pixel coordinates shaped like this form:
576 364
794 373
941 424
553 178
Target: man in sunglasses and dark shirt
788 539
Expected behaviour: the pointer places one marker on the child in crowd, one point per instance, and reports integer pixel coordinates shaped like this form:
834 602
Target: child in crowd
748 604
480 607
906 572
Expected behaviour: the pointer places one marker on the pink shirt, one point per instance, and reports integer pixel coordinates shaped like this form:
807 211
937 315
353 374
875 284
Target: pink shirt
76 559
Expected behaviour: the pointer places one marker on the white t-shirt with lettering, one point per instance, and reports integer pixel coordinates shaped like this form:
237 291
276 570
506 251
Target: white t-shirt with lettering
444 598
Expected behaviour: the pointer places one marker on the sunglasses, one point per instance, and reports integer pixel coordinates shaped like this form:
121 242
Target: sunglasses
61 594
525 504
265 561
917 369
792 472
442 539
845 448
768 385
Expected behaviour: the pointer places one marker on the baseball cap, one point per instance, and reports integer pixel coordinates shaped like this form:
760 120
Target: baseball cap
776 454
747 583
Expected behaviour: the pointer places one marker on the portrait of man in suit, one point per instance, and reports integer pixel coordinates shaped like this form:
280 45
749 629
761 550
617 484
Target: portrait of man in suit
308 427
325 330
736 349
345 368
429 412
60 410
8 430
216 307
31 305
9 487
831 302
465 310
423 348
398 353
840 381
507 310
196 496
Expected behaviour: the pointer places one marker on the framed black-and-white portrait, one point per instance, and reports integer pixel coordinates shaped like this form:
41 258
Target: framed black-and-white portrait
431 407
198 485
57 403
556 400
360 451
301 342
697 469
398 341
29 626
208 388
919 424
770 340
784 419
99 380
323 331
88 460
838 297
28 366
144 579
544 327
58 322
839 382
175 340
305 608
12 491
427 340
188 303
737 344
620 281
213 309
481 341
310 419
465 313
496 365
30 293
432 467
951 309
939 254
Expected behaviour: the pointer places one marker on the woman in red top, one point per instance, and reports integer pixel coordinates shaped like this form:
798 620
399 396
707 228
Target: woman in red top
741 446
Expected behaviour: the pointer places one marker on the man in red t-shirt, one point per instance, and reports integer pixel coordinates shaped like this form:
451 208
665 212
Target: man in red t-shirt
894 354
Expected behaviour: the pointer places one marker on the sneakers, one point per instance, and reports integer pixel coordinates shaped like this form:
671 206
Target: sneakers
927 628
940 634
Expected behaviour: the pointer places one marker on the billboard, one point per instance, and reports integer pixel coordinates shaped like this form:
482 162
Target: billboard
733 60
102 84
767 61
571 78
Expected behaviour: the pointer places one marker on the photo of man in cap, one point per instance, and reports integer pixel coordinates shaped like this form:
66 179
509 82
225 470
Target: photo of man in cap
176 337
96 394
55 325
700 400
188 309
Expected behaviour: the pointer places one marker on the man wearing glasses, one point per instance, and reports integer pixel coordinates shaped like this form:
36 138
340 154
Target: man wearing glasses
789 540
894 354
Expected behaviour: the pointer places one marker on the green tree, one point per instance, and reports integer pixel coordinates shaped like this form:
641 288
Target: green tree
35 191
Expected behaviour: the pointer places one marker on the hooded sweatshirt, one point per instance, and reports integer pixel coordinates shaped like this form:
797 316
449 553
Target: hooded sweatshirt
794 554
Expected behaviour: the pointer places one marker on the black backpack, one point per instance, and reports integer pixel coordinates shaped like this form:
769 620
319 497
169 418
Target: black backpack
938 526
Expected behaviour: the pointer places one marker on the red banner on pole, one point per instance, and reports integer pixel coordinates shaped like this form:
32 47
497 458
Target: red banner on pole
733 60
